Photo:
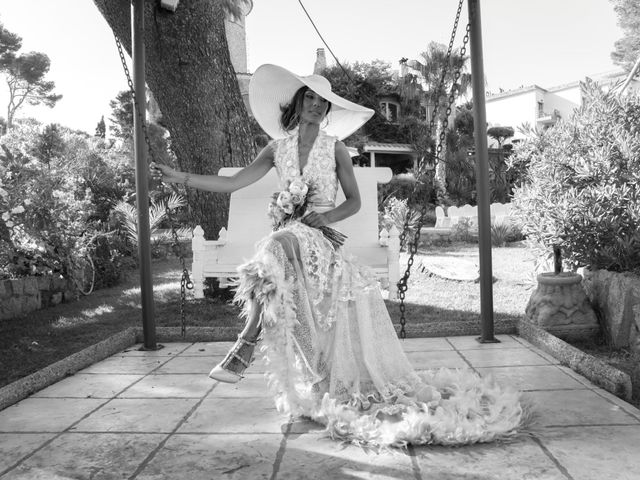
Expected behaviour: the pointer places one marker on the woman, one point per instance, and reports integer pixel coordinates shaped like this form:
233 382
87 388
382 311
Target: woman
330 348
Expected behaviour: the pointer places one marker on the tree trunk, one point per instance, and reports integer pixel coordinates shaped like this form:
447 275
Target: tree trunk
189 71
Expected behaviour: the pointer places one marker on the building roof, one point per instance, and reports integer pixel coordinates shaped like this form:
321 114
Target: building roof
388 147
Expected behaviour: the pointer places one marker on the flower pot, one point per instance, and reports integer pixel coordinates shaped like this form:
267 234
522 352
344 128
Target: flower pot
560 306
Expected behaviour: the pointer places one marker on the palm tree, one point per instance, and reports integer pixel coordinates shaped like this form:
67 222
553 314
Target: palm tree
434 63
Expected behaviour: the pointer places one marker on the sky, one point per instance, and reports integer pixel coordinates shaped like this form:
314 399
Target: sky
542 42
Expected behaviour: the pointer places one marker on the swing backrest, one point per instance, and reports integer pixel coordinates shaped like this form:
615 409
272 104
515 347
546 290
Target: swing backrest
248 221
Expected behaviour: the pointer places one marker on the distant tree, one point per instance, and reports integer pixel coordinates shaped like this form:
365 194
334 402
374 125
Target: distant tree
500 134
101 128
122 115
25 76
627 49
432 65
49 144
10 43
122 123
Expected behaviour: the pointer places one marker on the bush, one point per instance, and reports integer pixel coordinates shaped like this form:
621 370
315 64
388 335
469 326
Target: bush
582 189
55 207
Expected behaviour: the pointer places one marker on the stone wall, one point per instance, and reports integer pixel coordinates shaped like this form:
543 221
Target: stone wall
23 295
617 297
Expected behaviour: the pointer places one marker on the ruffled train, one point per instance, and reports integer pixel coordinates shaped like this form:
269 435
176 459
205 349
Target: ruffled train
332 355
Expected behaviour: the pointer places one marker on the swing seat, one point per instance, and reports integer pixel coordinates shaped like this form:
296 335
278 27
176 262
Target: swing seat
248 223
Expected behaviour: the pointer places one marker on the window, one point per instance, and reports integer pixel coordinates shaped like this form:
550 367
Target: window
390 110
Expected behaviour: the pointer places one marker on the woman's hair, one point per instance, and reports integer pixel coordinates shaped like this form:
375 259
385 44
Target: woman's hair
290 116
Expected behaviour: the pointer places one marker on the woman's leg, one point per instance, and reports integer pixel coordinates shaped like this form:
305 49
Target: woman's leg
230 370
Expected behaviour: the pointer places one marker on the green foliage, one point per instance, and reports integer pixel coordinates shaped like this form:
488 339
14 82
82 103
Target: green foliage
397 213
54 213
25 75
583 184
101 128
463 231
627 49
500 134
127 217
402 186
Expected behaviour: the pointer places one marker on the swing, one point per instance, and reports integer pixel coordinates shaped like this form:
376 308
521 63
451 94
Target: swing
186 282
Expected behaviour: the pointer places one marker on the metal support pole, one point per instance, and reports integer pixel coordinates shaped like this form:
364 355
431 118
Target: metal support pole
142 181
482 174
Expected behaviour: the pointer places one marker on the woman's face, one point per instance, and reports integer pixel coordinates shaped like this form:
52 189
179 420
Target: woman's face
314 107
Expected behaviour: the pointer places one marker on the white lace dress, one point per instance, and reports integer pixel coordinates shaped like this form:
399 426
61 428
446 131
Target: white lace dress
330 348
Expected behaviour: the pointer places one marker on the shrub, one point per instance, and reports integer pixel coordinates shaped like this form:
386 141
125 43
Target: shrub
55 207
582 189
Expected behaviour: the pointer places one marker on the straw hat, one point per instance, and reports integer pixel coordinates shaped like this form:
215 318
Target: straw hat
272 86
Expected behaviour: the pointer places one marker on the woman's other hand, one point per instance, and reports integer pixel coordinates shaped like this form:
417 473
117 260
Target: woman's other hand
164 173
315 220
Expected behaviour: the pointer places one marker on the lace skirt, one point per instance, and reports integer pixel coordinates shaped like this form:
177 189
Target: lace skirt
332 354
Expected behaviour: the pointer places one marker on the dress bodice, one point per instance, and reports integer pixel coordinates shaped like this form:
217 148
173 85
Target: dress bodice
319 171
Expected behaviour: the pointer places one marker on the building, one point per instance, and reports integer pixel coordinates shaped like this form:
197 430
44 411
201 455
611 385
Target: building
542 107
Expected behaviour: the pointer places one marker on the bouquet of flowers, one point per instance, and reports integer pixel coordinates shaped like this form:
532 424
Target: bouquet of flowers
292 203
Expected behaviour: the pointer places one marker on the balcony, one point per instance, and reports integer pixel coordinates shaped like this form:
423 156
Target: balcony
547 119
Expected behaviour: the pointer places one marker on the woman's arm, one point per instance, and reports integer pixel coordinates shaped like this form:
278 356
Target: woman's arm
347 178
216 183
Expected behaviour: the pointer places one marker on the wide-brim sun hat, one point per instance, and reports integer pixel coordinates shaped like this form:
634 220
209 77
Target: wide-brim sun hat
272 87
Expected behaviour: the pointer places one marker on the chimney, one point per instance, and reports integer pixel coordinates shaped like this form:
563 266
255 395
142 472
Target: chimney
321 61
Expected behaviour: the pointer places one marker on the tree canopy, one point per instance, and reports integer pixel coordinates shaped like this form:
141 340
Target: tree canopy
25 74
627 49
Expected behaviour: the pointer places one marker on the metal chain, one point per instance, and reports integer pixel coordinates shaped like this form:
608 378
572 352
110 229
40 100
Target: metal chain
185 281
413 245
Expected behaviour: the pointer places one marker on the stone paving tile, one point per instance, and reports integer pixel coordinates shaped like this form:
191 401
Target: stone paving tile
15 446
519 459
543 377
627 407
149 415
170 386
209 457
89 386
45 414
253 385
318 457
503 357
431 360
167 350
208 349
235 415
425 344
132 365
576 407
471 343
189 364
87 456
595 453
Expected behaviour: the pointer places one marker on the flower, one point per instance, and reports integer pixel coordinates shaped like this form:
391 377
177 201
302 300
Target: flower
291 204
18 209
298 187
284 202
6 216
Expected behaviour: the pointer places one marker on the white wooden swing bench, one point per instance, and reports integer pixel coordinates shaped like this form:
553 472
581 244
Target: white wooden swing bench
248 223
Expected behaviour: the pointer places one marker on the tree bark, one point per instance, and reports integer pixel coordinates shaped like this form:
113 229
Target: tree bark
189 71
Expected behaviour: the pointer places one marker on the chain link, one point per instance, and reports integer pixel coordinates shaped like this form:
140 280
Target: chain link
185 281
413 245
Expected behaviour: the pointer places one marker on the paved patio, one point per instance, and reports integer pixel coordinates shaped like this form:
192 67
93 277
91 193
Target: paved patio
156 415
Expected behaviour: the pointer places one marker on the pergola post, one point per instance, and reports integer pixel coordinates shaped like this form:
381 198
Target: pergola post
482 174
142 174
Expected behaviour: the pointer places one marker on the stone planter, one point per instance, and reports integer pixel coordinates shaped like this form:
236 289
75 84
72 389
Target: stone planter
616 295
560 306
